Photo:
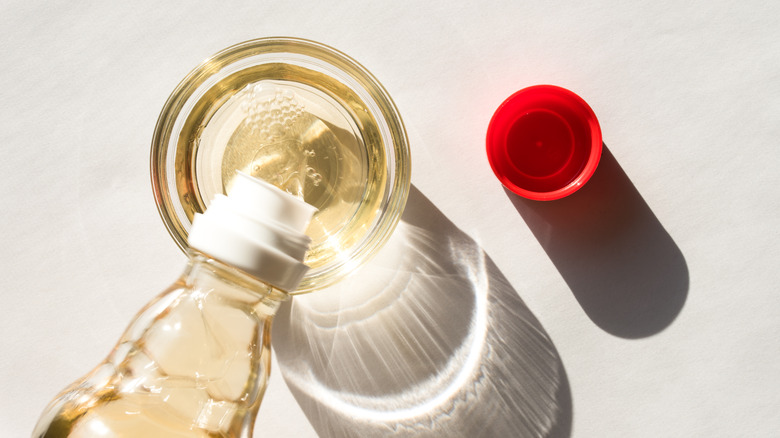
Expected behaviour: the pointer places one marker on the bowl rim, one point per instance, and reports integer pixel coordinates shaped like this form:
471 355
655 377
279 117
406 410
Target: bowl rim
396 146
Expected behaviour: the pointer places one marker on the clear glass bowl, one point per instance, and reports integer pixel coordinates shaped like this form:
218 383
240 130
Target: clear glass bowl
302 116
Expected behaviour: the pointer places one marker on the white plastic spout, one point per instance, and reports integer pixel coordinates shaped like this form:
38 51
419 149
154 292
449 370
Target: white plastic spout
268 203
257 228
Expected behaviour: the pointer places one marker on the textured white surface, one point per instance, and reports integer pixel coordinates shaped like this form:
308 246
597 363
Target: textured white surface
688 96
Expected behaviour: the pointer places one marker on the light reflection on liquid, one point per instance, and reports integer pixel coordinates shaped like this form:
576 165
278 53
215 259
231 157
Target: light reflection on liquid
427 339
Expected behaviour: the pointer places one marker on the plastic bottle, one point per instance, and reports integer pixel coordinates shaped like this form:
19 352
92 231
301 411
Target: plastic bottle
195 361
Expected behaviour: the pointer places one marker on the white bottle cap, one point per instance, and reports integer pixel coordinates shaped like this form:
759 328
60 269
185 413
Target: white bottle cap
258 229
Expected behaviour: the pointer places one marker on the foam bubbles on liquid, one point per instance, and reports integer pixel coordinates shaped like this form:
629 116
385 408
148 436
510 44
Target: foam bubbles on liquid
271 116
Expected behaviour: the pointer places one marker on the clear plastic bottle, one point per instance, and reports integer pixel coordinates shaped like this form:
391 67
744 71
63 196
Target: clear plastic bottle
195 361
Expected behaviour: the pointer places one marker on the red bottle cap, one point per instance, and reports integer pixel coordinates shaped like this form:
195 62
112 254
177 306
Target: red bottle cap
544 142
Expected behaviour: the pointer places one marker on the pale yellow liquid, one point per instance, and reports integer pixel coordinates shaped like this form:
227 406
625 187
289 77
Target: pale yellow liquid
302 131
194 363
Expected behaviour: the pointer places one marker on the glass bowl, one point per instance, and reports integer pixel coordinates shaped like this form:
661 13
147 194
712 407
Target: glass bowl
304 117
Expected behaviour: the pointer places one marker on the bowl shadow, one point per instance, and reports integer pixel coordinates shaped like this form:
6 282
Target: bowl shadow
622 266
426 339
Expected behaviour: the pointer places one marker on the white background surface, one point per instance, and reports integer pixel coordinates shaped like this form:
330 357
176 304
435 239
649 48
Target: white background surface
688 97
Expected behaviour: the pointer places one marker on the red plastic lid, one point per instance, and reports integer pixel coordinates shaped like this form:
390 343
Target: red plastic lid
544 142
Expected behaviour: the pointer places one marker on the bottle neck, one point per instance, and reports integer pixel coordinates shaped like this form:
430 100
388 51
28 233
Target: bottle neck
206 272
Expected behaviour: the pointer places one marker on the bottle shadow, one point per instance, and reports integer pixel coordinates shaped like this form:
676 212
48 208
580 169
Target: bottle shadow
622 266
427 339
